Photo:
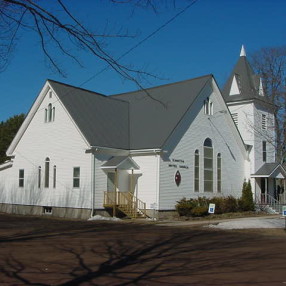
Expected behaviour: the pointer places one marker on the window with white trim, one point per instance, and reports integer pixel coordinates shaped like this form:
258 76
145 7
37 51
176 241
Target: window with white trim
208 107
47 172
39 176
55 177
50 113
208 165
264 151
21 178
47 210
218 172
76 177
197 171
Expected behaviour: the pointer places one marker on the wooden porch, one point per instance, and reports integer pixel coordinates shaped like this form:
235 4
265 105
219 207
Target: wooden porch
126 202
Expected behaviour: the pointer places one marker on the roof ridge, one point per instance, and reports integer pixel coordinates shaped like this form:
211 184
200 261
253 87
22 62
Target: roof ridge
84 89
163 85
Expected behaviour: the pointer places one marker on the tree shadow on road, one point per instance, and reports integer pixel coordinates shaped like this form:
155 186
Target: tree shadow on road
140 256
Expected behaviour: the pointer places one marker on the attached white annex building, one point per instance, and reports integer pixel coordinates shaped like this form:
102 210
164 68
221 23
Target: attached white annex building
80 153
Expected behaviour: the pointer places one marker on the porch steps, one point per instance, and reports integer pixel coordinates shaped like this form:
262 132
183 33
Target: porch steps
132 213
270 205
127 203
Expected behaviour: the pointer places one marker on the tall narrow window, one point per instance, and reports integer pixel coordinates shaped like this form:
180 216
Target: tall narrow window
50 112
54 113
47 172
211 108
46 115
206 106
264 152
76 177
55 177
39 176
197 171
208 165
218 172
263 122
21 178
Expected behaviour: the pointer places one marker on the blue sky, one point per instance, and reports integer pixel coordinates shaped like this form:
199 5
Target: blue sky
206 39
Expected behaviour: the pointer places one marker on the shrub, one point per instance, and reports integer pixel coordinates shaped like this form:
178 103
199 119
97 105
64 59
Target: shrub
230 205
199 211
199 207
184 206
219 204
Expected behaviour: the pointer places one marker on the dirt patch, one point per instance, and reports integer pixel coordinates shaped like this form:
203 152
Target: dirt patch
38 251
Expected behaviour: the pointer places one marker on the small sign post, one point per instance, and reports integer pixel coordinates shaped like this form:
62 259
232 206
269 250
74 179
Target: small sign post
211 209
284 214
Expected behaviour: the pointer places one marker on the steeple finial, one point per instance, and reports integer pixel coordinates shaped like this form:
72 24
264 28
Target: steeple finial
242 52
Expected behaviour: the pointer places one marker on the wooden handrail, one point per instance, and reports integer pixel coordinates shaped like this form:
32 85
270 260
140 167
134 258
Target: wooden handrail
130 202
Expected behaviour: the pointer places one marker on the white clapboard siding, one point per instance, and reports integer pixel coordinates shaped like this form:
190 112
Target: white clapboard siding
250 127
147 184
190 136
63 144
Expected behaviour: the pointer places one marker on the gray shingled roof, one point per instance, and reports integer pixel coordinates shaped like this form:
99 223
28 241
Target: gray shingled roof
135 120
102 120
156 112
267 169
249 83
120 162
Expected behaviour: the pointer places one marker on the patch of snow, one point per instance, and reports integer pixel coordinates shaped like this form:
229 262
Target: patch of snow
99 217
151 219
251 223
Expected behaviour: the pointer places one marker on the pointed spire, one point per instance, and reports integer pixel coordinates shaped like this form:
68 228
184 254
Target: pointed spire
242 52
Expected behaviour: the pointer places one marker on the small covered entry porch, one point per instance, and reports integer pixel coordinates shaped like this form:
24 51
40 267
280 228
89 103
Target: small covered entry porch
122 189
269 185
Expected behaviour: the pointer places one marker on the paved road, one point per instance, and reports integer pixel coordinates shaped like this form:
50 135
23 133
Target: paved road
43 252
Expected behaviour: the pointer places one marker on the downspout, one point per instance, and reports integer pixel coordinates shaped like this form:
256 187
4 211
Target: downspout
92 183
158 185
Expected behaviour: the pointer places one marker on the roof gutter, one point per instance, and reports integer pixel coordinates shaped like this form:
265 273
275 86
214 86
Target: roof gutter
117 151
145 151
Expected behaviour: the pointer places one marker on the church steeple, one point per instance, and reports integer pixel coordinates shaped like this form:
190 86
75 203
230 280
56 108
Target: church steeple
242 51
243 83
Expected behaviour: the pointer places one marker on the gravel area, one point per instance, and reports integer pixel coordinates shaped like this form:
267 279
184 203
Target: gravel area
244 223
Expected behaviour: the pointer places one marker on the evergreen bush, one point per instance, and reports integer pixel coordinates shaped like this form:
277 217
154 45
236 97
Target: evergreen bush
246 202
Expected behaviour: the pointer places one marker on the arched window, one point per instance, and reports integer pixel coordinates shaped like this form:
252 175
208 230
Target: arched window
39 176
54 113
208 165
211 108
206 106
50 112
197 171
46 115
47 172
55 176
218 172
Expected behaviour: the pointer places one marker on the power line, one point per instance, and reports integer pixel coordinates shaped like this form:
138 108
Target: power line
136 45
145 39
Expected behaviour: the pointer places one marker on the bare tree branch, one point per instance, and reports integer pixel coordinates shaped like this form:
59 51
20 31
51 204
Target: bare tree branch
270 64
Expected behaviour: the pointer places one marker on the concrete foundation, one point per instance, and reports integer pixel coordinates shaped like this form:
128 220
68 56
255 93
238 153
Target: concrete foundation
75 213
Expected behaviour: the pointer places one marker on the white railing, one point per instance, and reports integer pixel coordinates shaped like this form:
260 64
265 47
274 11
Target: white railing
268 200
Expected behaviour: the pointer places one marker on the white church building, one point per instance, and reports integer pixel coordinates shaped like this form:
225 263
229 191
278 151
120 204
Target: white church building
80 153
